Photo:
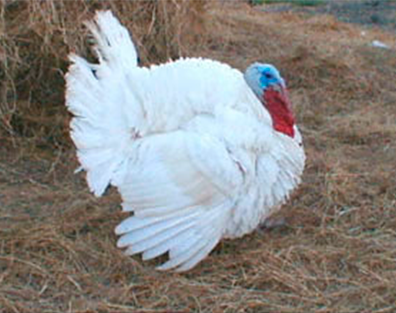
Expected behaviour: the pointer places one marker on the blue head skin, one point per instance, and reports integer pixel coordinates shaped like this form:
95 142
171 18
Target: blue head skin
260 76
270 89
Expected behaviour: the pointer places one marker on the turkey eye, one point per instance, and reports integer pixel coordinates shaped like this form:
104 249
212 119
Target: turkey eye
268 75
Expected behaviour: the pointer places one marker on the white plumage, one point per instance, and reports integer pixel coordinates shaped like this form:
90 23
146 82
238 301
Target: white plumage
189 145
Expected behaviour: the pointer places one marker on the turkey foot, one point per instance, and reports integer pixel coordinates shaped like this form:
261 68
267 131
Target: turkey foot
272 223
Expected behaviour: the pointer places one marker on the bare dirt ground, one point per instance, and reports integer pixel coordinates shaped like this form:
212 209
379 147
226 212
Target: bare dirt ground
367 13
337 253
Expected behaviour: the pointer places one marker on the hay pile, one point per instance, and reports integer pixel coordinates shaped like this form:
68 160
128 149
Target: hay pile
338 252
37 36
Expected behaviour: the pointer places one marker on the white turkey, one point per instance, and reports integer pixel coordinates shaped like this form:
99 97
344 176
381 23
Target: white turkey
198 151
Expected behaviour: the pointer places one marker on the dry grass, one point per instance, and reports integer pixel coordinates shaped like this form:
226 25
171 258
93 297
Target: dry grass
338 252
36 37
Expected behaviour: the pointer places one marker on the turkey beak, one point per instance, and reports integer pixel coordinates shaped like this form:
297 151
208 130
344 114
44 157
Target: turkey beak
283 94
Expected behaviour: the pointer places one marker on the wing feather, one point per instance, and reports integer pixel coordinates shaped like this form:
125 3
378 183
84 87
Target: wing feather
200 255
159 239
181 188
138 235
174 240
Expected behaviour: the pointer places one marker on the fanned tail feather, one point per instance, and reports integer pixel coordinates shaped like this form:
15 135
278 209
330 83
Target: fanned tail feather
97 96
113 41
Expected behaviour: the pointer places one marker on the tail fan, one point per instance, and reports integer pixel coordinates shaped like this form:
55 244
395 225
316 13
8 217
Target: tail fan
103 105
113 41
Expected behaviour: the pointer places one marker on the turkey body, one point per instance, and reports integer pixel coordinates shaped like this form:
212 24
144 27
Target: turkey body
188 144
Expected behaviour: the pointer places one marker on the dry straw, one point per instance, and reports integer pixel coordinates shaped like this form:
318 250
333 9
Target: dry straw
36 37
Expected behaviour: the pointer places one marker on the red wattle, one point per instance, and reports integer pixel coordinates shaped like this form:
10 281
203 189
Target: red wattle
279 106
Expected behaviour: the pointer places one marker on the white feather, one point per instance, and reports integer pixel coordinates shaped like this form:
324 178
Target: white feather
113 42
189 146
166 244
